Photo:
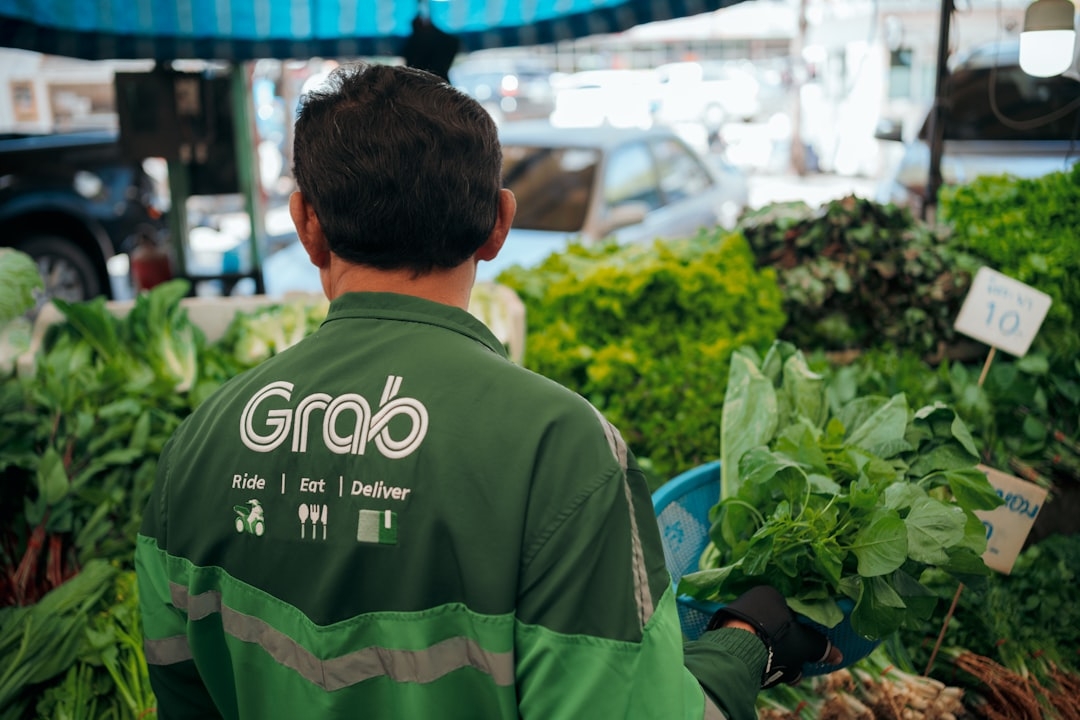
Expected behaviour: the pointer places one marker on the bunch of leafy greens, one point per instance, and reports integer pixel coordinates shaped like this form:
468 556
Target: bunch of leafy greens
828 503
155 343
1024 414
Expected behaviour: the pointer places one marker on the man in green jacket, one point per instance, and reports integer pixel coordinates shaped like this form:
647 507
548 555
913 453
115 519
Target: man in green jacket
391 519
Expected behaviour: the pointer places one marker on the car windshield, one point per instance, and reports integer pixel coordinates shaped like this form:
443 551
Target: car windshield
553 186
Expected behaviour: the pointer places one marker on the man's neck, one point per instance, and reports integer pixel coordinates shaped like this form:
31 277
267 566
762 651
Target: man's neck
449 287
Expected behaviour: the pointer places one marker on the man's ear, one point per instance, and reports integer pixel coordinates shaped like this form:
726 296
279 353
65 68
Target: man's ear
505 218
309 229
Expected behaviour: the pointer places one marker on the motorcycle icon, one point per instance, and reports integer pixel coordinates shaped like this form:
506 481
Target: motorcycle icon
250 519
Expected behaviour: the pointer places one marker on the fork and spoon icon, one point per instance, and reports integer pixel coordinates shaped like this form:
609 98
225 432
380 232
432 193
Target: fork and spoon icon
316 513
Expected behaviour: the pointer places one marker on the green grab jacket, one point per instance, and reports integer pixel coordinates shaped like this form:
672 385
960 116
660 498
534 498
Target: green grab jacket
392 520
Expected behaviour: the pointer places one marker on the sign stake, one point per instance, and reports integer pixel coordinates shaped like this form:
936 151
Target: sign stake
986 365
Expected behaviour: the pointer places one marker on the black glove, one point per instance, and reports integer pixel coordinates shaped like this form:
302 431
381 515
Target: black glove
789 642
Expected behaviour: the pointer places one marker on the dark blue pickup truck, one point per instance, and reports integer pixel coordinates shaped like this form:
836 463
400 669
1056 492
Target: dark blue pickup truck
72 201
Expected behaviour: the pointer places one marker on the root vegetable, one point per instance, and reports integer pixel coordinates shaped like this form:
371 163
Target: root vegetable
1011 695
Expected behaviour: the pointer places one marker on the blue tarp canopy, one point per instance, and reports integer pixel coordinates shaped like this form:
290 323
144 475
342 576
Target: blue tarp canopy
236 30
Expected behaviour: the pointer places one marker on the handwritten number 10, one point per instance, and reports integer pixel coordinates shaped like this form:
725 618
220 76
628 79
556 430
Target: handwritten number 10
1008 323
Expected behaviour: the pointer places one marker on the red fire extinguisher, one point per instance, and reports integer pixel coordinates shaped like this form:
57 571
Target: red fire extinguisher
150 262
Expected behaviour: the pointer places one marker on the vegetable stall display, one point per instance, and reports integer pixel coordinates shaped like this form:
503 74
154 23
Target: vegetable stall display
650 334
1024 417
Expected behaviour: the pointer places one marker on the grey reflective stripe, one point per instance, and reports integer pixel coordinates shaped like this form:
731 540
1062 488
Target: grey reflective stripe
167 651
415 666
615 440
641 575
642 593
712 712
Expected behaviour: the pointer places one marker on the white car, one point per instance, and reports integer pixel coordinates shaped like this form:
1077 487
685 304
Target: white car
589 183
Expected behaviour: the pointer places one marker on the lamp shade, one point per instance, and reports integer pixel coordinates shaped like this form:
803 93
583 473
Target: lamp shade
1048 38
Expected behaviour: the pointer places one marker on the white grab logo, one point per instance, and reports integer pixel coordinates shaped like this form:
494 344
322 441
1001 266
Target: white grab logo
367 426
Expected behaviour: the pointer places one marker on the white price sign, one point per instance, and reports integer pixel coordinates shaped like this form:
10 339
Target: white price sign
1008 525
1002 312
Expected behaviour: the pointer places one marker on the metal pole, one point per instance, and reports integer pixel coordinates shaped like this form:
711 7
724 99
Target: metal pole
247 168
798 43
936 127
179 192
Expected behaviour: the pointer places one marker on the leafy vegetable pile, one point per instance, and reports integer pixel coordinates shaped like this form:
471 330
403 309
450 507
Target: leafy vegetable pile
1028 229
855 501
43 639
79 442
855 274
80 438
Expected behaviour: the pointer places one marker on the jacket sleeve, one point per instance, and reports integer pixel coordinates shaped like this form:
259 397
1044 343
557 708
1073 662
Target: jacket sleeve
179 689
729 664
598 630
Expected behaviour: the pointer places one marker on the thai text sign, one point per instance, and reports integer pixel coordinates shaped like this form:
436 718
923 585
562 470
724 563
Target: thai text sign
1002 312
1008 525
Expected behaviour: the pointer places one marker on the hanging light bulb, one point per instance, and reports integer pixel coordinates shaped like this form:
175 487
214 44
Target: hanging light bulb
1046 44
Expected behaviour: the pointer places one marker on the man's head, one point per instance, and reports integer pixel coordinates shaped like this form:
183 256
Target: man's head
402 171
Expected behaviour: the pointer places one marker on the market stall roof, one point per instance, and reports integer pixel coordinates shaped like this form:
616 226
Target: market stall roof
236 30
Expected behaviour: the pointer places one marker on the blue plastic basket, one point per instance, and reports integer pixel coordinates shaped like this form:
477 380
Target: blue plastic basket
682 508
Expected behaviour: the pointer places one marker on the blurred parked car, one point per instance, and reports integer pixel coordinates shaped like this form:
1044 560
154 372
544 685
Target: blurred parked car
586 184
72 201
997 119
710 92
508 92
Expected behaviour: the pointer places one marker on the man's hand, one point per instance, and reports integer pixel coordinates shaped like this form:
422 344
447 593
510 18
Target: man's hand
789 642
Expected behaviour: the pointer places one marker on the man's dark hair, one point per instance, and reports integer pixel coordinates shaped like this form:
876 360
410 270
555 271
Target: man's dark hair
402 170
